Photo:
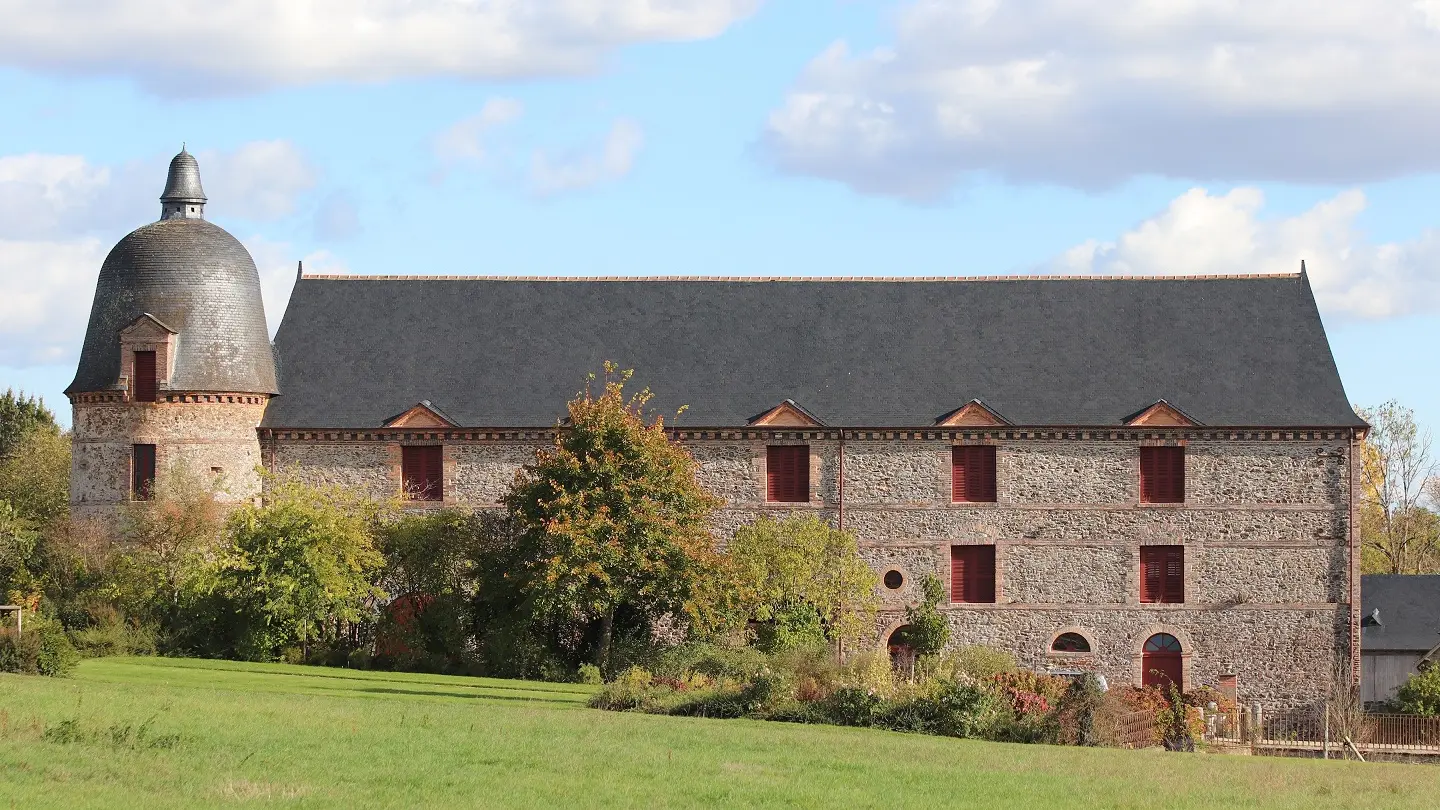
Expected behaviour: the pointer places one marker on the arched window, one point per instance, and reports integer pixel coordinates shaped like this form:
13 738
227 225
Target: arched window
1161 662
1070 643
1162 643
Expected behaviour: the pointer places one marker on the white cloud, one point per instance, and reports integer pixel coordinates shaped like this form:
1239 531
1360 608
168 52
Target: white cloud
45 195
259 180
45 294
583 168
1204 233
176 46
1090 92
464 141
276 262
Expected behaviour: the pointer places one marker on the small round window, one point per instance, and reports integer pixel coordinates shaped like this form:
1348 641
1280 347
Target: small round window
894 579
1070 643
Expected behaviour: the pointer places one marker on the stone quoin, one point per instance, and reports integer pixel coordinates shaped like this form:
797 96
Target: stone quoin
1078 384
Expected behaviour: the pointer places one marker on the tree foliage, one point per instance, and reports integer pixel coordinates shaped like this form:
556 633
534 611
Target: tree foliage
929 630
1399 534
611 520
791 570
19 415
295 567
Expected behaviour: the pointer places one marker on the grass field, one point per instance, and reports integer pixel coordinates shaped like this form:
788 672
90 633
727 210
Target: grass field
157 733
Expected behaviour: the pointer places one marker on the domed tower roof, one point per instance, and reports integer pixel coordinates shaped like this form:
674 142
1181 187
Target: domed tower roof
195 278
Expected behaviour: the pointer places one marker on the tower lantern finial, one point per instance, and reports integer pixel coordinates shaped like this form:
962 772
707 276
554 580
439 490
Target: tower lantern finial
183 198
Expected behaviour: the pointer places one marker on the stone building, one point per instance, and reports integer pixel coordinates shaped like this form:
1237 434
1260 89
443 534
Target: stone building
1146 477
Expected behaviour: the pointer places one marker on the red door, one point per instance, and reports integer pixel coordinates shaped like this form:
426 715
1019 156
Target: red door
1161 662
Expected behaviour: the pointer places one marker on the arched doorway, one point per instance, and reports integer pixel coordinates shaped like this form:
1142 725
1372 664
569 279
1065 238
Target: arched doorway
1162 662
902 653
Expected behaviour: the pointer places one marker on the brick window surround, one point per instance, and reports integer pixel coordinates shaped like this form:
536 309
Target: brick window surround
1162 475
972 574
972 474
1162 574
787 473
142 472
422 470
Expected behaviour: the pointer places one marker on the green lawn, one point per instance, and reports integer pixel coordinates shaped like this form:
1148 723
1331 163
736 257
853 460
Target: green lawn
219 733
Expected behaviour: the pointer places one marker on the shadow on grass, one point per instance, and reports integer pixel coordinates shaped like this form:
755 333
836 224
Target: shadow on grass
516 698
578 697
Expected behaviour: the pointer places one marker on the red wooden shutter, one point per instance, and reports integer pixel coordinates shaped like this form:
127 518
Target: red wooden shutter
972 574
1162 475
972 474
434 474
142 472
1174 575
143 382
1152 572
787 473
423 472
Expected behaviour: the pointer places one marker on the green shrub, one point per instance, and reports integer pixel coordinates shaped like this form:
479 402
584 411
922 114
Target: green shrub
949 708
43 649
797 711
589 674
722 704
115 638
359 659
978 662
852 706
929 630
1420 694
633 690
715 661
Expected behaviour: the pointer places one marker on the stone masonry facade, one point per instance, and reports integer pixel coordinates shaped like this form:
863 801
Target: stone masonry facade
1265 524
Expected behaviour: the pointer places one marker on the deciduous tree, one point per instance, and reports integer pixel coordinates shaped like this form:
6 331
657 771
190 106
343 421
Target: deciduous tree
1399 533
611 518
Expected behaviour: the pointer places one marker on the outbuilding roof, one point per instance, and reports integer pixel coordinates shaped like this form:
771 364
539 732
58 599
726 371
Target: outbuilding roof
885 352
1409 612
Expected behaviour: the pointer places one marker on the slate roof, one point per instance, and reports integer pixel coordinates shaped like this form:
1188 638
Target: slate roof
200 281
1409 612
510 352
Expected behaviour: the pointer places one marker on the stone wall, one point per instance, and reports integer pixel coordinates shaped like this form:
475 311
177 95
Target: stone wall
215 440
1264 525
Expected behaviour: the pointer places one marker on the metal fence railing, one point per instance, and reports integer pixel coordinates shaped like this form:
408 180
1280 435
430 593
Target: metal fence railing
1317 732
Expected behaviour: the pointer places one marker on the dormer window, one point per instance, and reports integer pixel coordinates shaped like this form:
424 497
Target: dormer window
143 380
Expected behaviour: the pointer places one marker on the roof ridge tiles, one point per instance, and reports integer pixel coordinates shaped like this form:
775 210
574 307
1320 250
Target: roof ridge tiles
902 279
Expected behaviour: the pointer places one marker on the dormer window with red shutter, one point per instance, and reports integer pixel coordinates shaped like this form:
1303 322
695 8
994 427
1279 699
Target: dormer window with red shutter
144 383
424 472
1162 475
972 574
787 473
972 474
1162 574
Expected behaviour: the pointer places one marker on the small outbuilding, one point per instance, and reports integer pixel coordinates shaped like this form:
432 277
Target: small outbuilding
1399 630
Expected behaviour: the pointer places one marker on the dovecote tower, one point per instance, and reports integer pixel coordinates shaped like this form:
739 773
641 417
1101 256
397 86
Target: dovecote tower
177 367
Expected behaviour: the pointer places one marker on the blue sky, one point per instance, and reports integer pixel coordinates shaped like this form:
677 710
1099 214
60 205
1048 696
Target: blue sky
739 137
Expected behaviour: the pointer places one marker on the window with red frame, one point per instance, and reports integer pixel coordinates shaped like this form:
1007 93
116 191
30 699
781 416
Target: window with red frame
787 473
972 474
1162 574
424 472
972 574
1162 475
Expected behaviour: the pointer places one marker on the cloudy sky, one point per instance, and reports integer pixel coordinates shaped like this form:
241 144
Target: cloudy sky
739 137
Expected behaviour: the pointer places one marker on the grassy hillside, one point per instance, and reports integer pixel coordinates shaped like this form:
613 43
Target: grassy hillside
155 733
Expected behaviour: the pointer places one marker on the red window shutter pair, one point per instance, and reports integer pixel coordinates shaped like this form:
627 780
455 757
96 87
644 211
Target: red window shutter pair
972 574
1162 574
142 472
1162 475
972 477
423 469
143 382
787 473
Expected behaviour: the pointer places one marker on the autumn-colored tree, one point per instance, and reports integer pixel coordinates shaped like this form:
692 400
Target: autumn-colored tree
1399 534
802 572
164 544
610 519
